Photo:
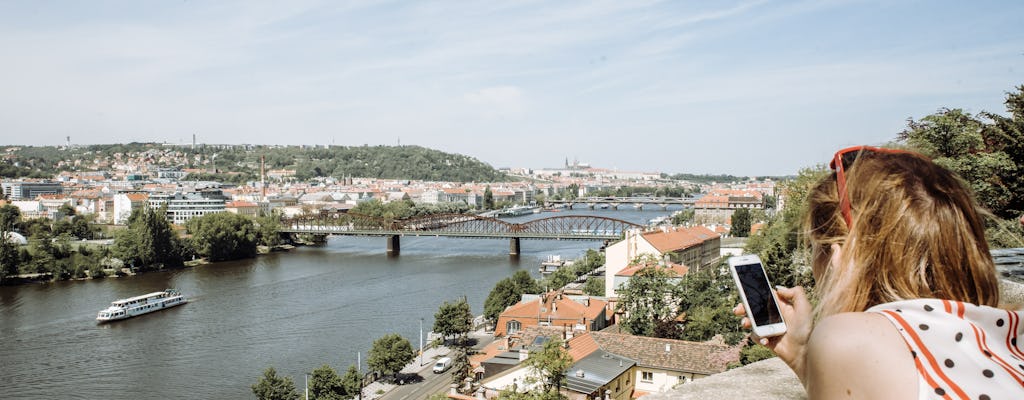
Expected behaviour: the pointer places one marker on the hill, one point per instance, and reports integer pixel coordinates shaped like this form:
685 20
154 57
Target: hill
240 163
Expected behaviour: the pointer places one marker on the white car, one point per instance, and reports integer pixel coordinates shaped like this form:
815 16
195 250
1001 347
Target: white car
442 365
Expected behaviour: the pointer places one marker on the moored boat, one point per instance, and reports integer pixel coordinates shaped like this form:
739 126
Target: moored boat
138 305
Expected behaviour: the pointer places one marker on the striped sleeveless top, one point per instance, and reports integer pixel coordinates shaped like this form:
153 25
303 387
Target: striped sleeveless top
962 351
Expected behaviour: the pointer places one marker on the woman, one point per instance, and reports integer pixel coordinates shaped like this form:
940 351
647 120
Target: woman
906 286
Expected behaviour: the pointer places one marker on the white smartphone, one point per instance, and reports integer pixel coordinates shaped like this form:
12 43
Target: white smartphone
757 295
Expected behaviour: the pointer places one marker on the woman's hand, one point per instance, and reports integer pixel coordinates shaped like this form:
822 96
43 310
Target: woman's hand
797 312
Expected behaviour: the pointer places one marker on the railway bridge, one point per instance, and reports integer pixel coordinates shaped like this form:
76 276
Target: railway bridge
571 227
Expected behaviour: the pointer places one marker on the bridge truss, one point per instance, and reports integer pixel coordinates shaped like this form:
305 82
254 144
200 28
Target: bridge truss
572 227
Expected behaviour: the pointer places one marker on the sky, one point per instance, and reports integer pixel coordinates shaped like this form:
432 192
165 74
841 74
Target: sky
740 87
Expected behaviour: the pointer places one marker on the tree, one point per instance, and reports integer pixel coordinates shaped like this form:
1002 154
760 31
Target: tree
549 364
683 217
488 198
504 294
149 240
454 319
460 366
9 217
508 292
272 387
647 298
389 354
524 282
9 260
224 236
594 286
326 384
956 140
352 382
777 242
740 223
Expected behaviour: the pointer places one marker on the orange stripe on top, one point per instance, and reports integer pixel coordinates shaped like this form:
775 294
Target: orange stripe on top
947 306
1012 332
960 310
928 355
981 338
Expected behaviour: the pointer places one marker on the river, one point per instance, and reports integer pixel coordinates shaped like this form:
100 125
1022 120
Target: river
294 311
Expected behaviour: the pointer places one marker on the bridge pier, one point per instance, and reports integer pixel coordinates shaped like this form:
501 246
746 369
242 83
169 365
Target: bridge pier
394 245
615 206
513 247
591 205
638 206
664 207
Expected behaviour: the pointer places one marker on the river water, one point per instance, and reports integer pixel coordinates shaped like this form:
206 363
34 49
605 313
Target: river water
294 311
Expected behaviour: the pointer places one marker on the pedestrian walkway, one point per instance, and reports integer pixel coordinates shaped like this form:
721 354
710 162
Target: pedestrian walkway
376 389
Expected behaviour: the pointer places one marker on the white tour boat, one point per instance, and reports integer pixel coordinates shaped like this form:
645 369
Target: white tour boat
138 305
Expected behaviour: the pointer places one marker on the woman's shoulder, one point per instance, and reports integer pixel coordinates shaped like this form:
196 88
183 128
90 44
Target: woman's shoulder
858 355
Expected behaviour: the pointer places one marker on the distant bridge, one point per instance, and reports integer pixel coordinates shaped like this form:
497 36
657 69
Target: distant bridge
570 227
638 202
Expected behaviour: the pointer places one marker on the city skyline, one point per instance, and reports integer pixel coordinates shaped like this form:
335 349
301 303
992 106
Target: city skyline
744 88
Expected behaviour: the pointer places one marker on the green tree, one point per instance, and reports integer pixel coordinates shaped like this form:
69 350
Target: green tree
9 260
508 292
683 217
955 139
352 381
548 365
488 198
267 228
325 384
525 282
148 241
272 387
389 354
778 241
460 366
504 294
740 223
224 236
9 217
594 286
454 320
647 298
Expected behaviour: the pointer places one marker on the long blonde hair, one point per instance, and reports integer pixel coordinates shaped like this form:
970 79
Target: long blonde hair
916 233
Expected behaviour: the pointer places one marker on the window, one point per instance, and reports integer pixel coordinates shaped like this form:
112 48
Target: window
513 326
647 376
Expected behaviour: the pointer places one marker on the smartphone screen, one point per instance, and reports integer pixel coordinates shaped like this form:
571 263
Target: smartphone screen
759 294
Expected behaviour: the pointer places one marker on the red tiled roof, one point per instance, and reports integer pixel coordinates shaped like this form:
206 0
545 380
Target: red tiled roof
677 269
675 238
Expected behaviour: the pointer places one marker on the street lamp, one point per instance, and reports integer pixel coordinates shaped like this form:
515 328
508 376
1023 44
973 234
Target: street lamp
421 342
307 386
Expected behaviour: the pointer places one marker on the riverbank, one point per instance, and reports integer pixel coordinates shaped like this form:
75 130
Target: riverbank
114 273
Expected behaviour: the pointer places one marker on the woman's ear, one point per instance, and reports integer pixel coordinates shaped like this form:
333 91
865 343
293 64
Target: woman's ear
837 253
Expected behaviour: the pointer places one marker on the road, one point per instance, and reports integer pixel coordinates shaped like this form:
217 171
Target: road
432 383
